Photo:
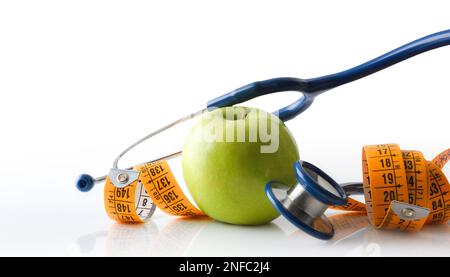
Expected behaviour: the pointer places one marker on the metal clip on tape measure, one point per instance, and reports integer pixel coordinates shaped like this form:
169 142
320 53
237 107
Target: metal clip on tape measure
402 190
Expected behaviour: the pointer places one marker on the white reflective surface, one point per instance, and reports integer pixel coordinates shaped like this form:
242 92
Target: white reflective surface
75 233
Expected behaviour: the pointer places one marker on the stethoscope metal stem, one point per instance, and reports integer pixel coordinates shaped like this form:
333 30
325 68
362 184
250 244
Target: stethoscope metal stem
86 182
168 157
160 130
353 188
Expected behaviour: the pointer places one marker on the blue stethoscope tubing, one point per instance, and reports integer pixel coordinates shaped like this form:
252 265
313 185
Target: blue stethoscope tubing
310 88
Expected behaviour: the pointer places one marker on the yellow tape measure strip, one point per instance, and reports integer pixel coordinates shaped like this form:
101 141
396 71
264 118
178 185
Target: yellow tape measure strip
405 176
389 174
156 185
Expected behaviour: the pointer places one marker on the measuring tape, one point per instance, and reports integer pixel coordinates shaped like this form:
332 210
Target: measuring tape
393 177
155 186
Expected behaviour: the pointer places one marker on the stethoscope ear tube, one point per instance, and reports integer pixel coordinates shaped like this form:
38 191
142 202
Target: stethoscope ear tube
312 87
269 86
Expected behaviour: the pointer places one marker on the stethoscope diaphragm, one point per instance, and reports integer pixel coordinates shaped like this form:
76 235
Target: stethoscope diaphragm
304 204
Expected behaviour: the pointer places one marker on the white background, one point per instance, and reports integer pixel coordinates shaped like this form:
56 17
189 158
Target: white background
79 80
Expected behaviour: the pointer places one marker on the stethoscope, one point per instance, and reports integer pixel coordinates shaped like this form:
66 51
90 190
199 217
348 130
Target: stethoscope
305 204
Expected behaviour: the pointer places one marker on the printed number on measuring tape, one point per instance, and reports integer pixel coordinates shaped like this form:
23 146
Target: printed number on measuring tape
155 186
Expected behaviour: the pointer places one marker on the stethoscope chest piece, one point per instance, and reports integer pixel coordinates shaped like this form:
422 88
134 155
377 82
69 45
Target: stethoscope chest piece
305 203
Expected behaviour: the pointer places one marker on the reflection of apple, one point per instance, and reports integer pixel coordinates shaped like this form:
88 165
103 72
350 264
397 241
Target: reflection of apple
226 177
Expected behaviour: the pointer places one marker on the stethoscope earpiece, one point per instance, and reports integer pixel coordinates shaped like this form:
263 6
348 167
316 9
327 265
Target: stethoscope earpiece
304 204
85 182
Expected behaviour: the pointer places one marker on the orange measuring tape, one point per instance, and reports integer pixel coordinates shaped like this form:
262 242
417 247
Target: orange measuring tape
155 186
392 175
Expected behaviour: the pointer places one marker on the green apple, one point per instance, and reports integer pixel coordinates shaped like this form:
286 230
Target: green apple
228 157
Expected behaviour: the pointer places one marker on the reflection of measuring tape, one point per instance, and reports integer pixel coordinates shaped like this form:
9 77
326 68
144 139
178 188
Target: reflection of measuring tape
155 186
393 177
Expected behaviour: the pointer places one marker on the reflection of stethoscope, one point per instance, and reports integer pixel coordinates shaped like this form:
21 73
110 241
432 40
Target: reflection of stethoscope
310 88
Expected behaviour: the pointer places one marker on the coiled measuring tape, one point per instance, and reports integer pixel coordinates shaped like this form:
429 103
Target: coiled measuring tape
393 178
155 186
